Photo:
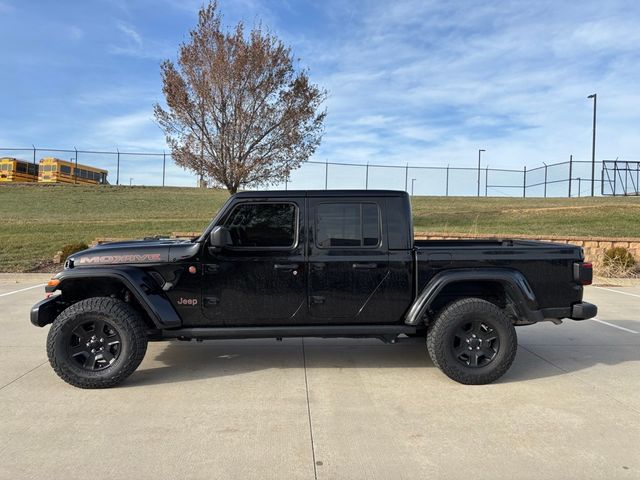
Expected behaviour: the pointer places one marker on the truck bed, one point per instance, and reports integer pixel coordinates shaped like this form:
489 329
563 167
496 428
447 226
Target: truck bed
547 266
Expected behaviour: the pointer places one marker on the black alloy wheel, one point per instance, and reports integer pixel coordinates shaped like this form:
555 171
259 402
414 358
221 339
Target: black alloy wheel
94 345
476 343
97 342
472 341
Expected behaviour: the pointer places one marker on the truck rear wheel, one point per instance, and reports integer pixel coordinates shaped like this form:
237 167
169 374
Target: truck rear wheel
96 343
472 341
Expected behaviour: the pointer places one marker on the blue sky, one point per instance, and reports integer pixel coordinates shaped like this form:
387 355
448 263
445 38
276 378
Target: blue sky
409 81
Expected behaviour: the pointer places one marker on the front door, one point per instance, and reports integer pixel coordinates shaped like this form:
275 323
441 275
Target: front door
260 278
348 261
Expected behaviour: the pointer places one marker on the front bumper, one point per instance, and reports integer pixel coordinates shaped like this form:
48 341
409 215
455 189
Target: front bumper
583 311
45 311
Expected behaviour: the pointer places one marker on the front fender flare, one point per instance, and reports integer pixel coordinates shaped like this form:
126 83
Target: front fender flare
513 281
139 283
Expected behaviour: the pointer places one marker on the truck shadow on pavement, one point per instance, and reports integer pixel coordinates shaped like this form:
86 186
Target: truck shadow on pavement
177 362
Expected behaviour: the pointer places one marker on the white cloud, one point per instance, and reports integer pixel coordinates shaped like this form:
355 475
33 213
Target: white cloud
134 131
132 35
6 7
74 32
133 44
506 76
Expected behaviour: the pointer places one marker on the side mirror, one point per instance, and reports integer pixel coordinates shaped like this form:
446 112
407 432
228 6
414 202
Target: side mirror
219 237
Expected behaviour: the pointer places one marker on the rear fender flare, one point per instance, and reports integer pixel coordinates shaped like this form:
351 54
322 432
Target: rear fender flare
515 284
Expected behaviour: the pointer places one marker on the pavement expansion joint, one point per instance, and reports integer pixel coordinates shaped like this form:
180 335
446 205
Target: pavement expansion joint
306 385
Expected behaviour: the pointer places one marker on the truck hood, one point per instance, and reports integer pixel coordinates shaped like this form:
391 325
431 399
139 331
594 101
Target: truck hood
135 252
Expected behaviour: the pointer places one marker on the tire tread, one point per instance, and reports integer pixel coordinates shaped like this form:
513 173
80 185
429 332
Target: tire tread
125 316
436 341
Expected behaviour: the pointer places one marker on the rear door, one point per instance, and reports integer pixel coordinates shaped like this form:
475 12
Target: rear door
348 261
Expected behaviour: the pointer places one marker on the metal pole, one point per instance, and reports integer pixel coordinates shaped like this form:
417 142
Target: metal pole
479 153
545 180
626 179
486 180
34 154
615 177
118 168
524 183
412 180
570 173
579 186
326 174
164 163
406 177
75 170
593 144
447 187
366 180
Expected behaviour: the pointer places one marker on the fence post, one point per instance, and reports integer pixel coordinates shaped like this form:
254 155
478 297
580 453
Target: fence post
615 177
486 180
626 179
75 170
545 180
447 187
524 183
164 163
366 180
34 154
326 174
118 168
406 178
570 173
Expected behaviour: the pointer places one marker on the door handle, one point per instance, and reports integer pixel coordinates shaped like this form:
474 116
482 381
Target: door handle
211 268
364 266
211 301
286 266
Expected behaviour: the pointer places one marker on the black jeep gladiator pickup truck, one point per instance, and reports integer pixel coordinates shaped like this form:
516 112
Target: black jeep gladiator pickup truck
308 263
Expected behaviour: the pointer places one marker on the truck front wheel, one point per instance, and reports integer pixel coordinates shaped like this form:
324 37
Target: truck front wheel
472 341
96 343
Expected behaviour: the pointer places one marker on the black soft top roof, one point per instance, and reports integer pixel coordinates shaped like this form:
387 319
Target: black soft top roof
321 193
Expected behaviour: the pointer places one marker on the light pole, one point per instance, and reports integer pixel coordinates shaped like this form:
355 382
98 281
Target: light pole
412 180
593 144
479 156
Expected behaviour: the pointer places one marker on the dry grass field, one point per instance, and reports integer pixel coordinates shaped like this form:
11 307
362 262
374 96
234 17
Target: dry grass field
37 220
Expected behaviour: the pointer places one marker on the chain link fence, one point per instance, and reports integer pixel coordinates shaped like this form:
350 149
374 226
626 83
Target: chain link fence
571 178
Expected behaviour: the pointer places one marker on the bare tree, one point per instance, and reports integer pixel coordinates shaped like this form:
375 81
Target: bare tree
238 111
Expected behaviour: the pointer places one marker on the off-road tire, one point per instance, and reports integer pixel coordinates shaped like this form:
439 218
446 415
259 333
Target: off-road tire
120 318
443 333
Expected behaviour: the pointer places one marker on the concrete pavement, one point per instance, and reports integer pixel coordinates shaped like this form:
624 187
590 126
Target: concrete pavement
568 408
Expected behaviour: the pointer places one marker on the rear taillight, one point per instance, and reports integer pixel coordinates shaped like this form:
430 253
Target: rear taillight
583 273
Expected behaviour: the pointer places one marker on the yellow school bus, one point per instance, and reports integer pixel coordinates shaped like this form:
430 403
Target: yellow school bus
54 170
14 170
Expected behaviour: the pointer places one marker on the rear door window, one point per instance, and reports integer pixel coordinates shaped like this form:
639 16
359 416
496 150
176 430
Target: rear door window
354 225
